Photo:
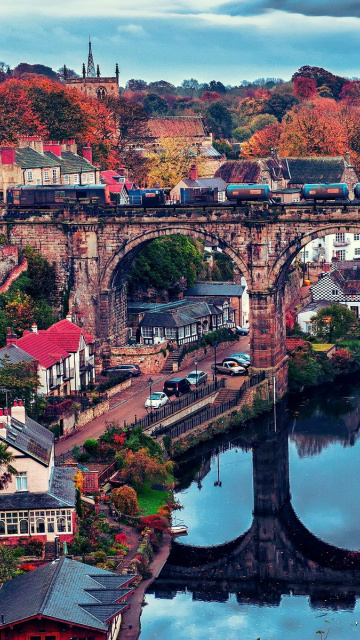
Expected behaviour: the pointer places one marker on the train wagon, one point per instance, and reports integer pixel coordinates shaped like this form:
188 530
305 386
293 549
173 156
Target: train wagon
199 195
248 192
146 197
54 195
336 191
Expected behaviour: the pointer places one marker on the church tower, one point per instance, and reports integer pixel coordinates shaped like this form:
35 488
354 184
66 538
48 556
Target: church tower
91 84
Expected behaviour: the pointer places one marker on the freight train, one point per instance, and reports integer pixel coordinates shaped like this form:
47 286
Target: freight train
237 194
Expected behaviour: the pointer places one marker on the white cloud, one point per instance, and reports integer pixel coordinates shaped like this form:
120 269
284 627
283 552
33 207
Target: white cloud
134 29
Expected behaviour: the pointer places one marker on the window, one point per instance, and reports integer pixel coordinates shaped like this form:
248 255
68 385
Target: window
356 236
187 331
91 177
339 237
193 329
21 481
54 176
84 178
13 523
66 178
30 176
158 332
170 332
146 332
335 292
76 178
357 252
181 332
46 176
355 310
341 255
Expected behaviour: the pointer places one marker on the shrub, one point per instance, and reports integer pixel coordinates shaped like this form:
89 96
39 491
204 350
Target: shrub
34 547
125 500
91 446
156 523
100 556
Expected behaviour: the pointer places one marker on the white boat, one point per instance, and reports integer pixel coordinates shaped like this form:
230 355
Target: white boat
178 529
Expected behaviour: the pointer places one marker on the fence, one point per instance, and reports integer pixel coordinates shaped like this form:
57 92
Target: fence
172 407
182 426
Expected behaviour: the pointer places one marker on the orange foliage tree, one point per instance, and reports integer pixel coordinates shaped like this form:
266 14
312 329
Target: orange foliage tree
139 469
125 500
261 143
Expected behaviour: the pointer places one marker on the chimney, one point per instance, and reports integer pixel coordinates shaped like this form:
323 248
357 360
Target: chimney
35 142
347 157
87 153
3 423
11 338
8 155
275 154
69 145
54 147
18 411
34 328
193 172
69 317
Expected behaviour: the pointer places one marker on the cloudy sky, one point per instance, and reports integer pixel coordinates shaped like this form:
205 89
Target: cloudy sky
176 39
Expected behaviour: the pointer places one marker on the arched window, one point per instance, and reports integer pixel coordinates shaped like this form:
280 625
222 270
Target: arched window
40 526
61 525
101 92
24 526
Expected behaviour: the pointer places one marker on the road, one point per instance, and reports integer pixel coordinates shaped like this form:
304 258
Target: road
130 402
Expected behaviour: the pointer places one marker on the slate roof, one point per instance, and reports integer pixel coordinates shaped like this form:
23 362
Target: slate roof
233 171
46 352
13 354
209 152
315 170
61 494
67 335
215 289
186 313
205 183
78 163
314 306
61 590
176 126
31 438
28 158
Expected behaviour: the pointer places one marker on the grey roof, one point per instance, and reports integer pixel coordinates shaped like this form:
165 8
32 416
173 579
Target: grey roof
315 170
215 289
186 313
31 438
210 152
70 162
205 183
313 306
61 590
61 494
13 355
28 158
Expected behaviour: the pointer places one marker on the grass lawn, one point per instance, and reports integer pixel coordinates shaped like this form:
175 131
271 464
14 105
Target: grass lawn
151 499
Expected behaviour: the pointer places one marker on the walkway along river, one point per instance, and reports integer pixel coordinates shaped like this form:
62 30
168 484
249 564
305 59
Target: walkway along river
274 530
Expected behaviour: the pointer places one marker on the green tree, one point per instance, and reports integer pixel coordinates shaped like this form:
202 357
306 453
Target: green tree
22 379
6 468
261 121
242 133
165 262
155 105
8 563
220 120
333 322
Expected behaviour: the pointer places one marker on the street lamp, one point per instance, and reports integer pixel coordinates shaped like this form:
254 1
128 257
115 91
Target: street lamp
6 391
150 382
196 362
215 345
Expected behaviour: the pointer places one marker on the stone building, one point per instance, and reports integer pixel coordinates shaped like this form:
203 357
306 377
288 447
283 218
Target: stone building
91 84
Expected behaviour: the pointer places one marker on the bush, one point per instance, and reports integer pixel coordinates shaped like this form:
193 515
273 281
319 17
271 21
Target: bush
125 500
91 446
34 547
100 556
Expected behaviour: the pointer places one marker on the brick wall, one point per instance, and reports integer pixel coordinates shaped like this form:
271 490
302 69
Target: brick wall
150 358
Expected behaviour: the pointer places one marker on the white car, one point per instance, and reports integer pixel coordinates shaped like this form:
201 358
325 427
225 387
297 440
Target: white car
197 377
156 400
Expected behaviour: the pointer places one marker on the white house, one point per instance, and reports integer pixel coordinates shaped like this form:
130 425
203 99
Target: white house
40 499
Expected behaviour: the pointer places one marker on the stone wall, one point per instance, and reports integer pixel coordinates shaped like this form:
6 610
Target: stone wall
293 284
204 352
9 260
151 358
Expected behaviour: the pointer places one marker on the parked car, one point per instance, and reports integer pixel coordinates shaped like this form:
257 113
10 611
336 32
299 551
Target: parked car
231 367
156 400
197 377
176 386
241 356
242 331
133 369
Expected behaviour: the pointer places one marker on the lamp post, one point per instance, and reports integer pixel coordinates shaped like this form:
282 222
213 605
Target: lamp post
215 345
196 362
150 382
6 391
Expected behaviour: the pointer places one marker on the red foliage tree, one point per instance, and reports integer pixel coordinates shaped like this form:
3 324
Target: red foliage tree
154 522
304 88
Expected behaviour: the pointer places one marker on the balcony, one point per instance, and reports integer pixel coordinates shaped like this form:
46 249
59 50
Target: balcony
55 382
341 243
69 375
87 365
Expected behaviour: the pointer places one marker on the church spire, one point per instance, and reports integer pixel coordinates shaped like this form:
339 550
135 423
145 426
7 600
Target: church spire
90 65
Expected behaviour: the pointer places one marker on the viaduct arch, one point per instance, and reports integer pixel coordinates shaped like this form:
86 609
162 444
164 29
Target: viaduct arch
93 249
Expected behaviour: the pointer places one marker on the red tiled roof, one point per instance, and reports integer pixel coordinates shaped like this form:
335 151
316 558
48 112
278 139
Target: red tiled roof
239 172
109 177
46 352
67 335
177 127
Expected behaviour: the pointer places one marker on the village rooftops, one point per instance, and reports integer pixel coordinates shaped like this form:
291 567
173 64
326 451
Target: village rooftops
30 437
28 158
176 127
46 352
68 591
60 495
12 354
178 314
66 335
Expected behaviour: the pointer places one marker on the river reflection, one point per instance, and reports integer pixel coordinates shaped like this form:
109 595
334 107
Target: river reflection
277 580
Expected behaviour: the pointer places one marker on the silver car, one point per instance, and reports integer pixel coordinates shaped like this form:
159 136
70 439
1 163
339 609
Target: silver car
197 377
156 400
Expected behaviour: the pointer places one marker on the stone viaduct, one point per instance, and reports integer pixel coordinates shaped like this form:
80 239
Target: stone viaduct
94 247
278 555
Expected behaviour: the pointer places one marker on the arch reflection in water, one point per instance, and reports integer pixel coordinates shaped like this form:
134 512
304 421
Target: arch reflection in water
277 556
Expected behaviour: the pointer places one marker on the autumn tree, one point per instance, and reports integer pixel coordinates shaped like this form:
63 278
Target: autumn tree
333 322
171 161
304 88
140 469
261 143
125 500
136 85
322 77
155 105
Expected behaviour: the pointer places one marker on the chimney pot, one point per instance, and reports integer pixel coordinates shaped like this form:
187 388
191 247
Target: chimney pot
34 328
8 155
87 153
11 338
193 172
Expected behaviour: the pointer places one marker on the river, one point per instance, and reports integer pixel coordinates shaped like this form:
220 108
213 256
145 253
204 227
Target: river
280 490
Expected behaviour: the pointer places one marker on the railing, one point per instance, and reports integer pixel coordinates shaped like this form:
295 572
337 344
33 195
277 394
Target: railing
182 426
341 243
176 405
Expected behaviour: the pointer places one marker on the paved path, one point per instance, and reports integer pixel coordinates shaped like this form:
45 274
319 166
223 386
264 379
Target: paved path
130 402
